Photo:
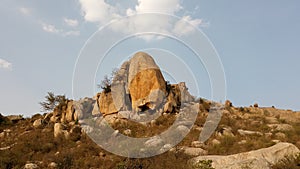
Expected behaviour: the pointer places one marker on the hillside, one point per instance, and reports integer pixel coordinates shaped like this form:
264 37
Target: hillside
139 103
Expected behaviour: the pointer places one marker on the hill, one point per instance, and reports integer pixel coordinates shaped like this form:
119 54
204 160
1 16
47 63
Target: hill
138 103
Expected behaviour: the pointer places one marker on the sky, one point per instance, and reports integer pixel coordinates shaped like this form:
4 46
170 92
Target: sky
44 43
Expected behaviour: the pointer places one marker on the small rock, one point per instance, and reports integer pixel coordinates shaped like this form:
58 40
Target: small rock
255 105
183 129
86 129
276 141
247 132
154 142
280 135
5 148
38 123
52 165
2 134
127 132
165 148
191 151
101 154
227 132
58 131
7 131
197 128
30 166
281 127
242 142
153 122
197 144
215 142
228 103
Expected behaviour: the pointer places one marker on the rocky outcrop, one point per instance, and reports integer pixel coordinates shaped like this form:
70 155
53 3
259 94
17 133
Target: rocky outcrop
106 104
72 111
15 118
173 100
139 86
146 84
262 158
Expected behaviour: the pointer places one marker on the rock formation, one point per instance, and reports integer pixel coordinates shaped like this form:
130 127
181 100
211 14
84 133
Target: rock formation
262 158
139 86
146 83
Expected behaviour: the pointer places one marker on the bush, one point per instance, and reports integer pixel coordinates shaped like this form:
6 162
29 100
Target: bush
288 162
52 101
203 164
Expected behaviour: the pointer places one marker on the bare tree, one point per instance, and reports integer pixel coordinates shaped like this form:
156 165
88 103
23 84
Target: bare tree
51 101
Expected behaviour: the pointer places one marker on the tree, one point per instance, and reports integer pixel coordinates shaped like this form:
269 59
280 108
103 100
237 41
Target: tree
51 101
107 81
105 84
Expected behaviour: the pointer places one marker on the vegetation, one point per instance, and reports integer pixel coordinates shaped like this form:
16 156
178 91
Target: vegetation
106 83
204 164
288 162
52 101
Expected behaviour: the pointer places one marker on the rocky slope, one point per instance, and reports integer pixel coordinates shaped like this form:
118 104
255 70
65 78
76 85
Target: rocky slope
140 104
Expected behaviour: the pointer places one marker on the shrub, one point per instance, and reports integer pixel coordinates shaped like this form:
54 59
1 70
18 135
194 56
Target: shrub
203 164
289 162
105 84
52 101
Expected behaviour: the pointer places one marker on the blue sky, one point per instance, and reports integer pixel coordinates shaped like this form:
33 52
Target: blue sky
257 41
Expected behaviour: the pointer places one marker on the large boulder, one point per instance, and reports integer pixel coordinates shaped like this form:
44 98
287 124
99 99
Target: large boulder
146 84
173 100
186 97
106 104
262 158
83 108
69 114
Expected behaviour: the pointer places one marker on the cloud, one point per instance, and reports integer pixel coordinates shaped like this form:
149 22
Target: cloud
186 25
101 12
24 11
98 11
71 22
52 29
152 6
5 64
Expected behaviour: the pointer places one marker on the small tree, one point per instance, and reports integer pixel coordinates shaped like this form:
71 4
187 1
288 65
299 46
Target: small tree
107 81
105 84
51 101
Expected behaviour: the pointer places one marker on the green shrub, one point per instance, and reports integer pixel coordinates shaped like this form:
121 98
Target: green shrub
203 164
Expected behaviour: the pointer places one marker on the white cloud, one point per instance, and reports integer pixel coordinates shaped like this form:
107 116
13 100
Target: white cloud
52 29
5 64
24 11
154 6
186 25
71 22
101 12
98 11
